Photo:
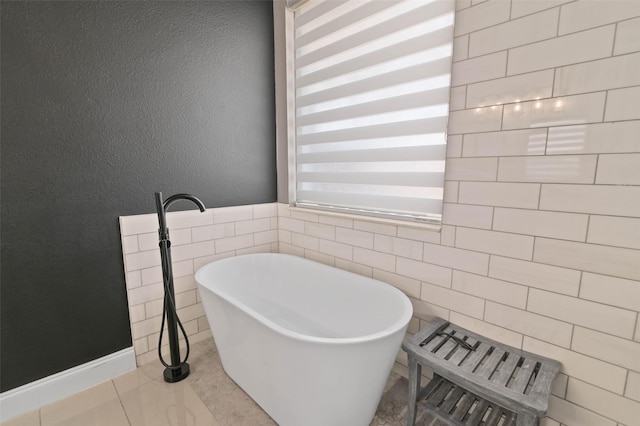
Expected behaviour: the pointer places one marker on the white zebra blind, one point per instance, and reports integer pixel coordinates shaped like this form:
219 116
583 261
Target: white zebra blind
372 81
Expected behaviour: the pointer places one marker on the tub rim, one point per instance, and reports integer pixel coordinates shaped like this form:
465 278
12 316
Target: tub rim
393 328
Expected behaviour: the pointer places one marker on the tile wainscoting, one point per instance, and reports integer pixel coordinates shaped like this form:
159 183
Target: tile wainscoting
491 269
196 239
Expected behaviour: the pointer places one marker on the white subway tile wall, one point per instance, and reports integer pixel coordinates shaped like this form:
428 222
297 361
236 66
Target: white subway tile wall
196 239
540 244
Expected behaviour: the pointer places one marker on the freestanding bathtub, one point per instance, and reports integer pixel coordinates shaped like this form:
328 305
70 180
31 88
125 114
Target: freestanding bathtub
311 344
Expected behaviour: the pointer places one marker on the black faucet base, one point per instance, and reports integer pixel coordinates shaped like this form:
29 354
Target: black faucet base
175 375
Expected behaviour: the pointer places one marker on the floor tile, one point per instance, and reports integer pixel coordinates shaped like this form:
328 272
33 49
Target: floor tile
157 403
96 406
138 377
29 419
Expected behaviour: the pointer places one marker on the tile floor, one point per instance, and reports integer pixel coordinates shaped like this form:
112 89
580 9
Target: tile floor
207 397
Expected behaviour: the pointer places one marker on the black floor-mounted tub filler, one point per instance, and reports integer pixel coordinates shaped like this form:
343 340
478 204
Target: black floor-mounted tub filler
178 369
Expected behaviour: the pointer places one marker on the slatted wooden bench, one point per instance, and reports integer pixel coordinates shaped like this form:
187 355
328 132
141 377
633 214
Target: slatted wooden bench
477 381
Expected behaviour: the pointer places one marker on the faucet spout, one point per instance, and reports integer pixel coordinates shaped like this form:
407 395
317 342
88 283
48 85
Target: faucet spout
189 197
163 206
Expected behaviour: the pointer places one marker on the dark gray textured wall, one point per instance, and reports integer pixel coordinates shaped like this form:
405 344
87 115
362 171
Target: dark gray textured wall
104 103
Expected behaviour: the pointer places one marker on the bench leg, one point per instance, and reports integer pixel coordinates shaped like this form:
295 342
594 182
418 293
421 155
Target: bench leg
415 374
527 420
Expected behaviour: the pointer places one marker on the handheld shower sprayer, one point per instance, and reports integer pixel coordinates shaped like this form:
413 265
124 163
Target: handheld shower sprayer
178 369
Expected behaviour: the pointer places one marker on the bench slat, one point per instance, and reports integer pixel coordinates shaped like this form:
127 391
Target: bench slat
462 352
494 416
452 400
507 369
441 393
486 370
524 376
478 355
463 406
433 344
427 391
447 348
430 331
478 413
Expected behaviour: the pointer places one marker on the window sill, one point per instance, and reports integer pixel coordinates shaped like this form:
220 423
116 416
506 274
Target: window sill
370 219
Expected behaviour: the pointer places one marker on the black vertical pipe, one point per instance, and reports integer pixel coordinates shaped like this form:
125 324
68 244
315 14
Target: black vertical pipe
178 370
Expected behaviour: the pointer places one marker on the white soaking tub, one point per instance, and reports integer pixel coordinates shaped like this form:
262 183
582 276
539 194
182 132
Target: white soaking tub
311 344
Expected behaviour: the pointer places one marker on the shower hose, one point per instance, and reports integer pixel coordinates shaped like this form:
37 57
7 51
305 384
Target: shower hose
169 308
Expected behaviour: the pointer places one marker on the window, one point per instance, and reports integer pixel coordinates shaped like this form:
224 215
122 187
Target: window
369 87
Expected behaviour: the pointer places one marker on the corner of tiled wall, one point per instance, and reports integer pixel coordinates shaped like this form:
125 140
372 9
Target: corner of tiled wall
196 239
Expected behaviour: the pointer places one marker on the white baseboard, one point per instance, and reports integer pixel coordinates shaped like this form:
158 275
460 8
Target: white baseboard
47 390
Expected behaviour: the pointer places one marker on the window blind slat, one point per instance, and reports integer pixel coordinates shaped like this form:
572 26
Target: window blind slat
401 205
317 13
361 108
406 128
402 153
427 179
402 76
409 141
344 18
391 31
424 49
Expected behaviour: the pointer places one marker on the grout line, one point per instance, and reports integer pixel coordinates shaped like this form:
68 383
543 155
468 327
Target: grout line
604 109
468 46
580 290
546 141
545 41
493 217
615 36
523 129
586 234
126 414
573 329
525 182
539 196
